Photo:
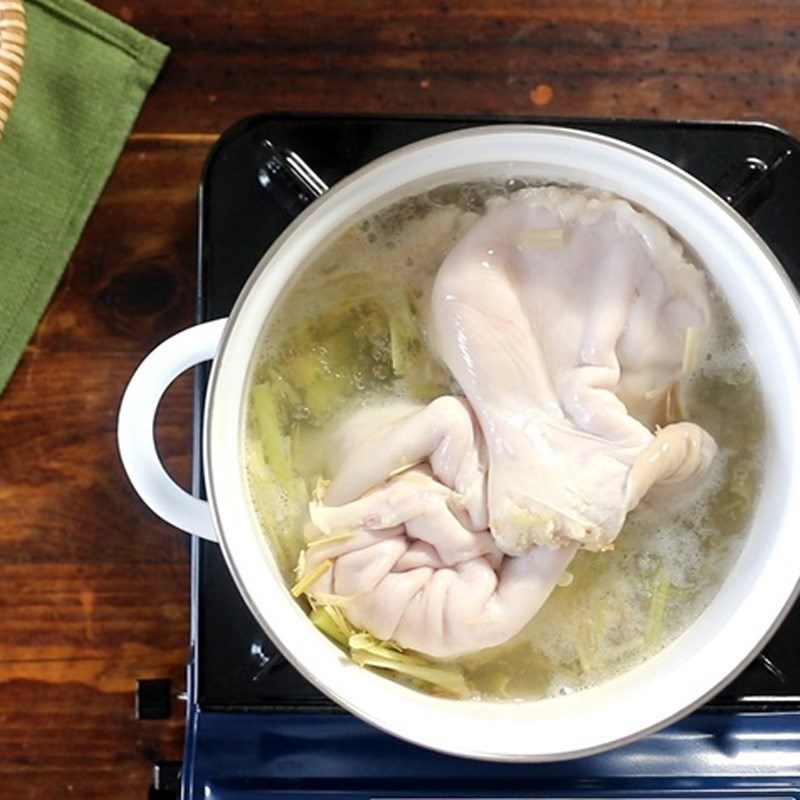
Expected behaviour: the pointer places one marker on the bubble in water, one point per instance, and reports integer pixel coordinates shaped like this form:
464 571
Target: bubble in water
514 184
301 413
380 371
565 579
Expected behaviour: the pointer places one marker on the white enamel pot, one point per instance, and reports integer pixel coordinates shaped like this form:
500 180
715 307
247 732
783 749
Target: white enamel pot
749 606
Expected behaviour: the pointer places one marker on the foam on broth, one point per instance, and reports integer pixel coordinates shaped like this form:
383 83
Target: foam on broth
353 330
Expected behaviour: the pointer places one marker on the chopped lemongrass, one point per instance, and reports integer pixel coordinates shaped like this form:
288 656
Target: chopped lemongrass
668 410
403 333
323 396
303 369
670 393
300 567
402 469
284 388
691 348
320 487
366 650
450 680
274 444
526 520
311 577
327 624
653 394
673 408
366 641
658 605
334 537
564 579
340 619
542 239
274 506
332 600
363 645
331 621
361 641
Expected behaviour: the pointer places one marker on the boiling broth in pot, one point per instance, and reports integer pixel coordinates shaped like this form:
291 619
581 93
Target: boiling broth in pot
354 331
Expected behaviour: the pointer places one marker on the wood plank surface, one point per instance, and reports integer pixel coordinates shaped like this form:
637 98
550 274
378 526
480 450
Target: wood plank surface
653 58
95 589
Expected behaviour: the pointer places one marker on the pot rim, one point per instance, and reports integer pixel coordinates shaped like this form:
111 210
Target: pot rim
212 414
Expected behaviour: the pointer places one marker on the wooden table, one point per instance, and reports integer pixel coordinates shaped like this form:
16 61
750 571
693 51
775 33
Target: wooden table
94 588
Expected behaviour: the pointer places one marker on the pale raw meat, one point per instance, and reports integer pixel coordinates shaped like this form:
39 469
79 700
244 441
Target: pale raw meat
420 568
373 444
450 524
414 569
545 333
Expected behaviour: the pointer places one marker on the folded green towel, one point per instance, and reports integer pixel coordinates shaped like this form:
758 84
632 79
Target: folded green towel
85 77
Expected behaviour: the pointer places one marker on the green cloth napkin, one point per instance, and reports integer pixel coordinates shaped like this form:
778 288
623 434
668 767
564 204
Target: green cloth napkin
85 77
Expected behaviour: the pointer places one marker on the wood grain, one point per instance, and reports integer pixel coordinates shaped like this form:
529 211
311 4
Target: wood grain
95 588
714 59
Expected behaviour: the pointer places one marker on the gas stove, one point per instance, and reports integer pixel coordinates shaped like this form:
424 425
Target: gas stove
255 727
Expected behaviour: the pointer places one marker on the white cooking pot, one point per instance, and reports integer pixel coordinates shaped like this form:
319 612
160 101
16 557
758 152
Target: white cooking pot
745 611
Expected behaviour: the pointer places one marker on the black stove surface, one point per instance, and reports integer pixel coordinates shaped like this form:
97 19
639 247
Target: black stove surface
755 167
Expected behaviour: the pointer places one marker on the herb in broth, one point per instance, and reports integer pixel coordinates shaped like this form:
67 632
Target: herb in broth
369 341
354 328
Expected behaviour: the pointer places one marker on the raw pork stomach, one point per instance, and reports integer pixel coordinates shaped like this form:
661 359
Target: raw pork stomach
413 559
563 315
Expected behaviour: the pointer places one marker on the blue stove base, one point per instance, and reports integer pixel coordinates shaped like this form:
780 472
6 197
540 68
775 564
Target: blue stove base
241 756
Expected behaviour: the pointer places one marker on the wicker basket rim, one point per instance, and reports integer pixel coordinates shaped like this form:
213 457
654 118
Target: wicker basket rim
13 38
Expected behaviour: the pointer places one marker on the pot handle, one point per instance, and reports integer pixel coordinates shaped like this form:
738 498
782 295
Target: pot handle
136 427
